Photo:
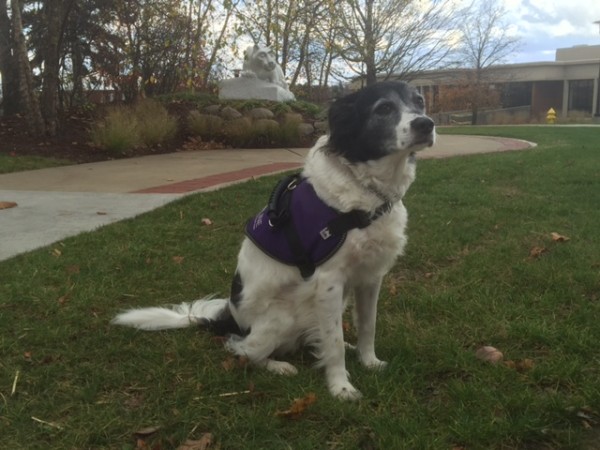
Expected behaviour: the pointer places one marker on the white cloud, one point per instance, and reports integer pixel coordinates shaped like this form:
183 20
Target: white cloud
545 25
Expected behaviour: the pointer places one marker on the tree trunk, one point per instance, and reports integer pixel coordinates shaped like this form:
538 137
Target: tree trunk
52 20
371 66
371 76
77 96
10 91
303 57
285 47
29 101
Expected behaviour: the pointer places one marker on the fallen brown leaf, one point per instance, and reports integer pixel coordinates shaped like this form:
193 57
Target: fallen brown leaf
234 362
56 252
178 259
298 407
520 365
147 431
489 354
229 364
559 237
202 444
7 205
73 269
140 444
536 252
134 401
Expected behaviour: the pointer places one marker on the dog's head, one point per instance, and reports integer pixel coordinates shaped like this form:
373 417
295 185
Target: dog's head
379 120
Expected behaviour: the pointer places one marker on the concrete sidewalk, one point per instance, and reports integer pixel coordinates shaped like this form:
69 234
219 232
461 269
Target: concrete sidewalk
59 202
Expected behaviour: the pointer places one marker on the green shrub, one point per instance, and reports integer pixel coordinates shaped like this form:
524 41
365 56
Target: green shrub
240 133
244 133
117 132
155 125
307 108
201 99
126 127
205 125
287 134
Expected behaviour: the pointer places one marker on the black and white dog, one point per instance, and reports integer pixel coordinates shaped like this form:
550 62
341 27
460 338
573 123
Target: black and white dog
337 228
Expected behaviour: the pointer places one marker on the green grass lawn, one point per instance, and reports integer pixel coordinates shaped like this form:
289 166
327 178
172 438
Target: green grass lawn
481 268
10 163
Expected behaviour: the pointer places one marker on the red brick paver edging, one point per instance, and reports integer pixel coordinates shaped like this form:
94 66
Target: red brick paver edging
218 179
509 144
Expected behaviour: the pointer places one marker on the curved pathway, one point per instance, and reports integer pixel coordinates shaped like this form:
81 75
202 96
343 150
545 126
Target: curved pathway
59 202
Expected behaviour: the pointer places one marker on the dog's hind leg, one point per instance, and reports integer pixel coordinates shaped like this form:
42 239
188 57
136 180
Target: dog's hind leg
331 346
265 337
365 315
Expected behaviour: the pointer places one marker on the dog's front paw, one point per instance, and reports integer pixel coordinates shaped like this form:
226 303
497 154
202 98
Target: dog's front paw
374 364
345 391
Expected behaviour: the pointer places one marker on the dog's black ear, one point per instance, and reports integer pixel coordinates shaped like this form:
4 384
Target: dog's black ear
343 123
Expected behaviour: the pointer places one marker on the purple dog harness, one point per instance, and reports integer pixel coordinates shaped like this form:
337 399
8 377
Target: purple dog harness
297 228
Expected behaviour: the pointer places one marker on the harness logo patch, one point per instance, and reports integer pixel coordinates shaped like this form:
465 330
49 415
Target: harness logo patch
325 233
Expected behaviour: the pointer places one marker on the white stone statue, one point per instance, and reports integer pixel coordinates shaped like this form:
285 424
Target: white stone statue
261 78
259 62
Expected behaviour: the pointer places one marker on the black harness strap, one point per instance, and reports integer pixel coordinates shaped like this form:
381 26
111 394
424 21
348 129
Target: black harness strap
278 209
278 212
304 263
357 218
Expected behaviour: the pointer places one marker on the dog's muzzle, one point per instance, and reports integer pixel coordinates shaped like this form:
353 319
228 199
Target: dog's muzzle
423 129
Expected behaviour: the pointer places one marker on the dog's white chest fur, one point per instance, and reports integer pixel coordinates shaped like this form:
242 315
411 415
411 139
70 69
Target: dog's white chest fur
374 250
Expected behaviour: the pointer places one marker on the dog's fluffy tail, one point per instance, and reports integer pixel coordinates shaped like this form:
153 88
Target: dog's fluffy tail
200 312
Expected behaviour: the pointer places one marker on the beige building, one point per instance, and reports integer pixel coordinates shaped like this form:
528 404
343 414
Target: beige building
570 84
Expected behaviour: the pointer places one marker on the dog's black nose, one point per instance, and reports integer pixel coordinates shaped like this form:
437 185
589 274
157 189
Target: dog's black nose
422 125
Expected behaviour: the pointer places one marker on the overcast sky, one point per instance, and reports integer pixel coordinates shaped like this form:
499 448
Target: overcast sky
545 25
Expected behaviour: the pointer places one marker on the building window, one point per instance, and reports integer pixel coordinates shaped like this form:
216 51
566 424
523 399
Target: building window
580 95
516 93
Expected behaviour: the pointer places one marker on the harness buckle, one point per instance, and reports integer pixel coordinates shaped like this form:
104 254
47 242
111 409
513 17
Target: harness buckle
292 184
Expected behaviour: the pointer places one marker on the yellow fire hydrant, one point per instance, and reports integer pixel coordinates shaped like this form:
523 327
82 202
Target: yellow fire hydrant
551 116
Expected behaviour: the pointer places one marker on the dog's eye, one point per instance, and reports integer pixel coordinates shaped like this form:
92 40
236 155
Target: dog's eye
420 102
384 109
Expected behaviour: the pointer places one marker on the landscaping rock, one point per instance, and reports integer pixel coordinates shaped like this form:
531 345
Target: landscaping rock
292 117
261 113
305 129
321 126
213 110
265 125
204 124
230 113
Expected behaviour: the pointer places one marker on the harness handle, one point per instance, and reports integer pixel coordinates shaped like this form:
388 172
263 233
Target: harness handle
278 206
